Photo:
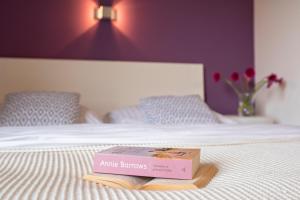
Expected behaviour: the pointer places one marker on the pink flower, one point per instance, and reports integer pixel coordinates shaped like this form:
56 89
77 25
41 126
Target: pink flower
271 79
217 76
235 76
250 73
280 81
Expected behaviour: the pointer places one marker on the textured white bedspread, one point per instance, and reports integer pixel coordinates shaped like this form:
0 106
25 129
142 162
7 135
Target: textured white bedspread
254 161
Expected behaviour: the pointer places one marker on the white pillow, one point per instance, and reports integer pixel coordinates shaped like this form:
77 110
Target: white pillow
88 117
127 115
134 115
224 120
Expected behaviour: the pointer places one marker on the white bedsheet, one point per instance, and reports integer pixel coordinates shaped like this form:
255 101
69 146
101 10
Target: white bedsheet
254 161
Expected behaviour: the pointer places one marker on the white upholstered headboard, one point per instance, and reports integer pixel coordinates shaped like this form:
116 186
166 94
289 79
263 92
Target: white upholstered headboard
103 85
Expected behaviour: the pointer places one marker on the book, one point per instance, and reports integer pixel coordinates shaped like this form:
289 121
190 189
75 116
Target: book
203 176
174 163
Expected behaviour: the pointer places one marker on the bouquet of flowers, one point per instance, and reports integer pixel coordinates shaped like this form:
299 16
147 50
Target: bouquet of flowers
245 87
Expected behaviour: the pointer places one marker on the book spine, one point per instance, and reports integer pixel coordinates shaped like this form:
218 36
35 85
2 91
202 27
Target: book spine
143 166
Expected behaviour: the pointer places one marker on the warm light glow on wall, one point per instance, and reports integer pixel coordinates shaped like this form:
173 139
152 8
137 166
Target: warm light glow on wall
82 20
125 21
87 15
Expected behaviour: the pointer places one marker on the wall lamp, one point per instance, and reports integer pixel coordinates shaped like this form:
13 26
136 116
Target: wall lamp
106 13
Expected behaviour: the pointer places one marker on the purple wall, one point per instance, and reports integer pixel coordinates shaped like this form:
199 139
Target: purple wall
217 33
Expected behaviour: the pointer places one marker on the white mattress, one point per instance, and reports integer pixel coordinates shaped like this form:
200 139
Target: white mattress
254 161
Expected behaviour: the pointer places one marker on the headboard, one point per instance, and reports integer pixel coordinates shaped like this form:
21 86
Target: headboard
103 85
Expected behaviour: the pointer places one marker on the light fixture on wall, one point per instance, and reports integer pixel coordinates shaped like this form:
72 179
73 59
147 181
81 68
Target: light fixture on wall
106 13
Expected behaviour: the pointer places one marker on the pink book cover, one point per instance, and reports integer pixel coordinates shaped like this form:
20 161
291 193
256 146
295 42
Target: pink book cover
173 163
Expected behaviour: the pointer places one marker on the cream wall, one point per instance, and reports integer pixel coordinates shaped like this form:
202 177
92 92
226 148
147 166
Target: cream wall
277 49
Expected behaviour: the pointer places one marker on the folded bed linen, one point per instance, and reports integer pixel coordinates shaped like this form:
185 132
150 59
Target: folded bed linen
254 161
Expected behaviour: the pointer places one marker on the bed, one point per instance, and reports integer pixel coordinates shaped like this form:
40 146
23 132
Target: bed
48 163
254 161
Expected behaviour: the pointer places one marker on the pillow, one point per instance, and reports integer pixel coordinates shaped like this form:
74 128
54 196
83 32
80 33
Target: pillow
88 117
40 109
225 119
127 115
173 110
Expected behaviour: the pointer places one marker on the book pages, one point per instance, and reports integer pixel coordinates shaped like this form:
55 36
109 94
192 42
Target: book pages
205 173
129 182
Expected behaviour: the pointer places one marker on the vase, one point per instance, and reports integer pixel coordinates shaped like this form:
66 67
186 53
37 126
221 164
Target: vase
246 104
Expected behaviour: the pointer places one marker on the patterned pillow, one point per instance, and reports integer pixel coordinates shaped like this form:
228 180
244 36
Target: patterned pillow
40 109
173 110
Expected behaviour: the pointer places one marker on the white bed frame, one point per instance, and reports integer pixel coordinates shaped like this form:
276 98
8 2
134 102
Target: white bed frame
103 85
